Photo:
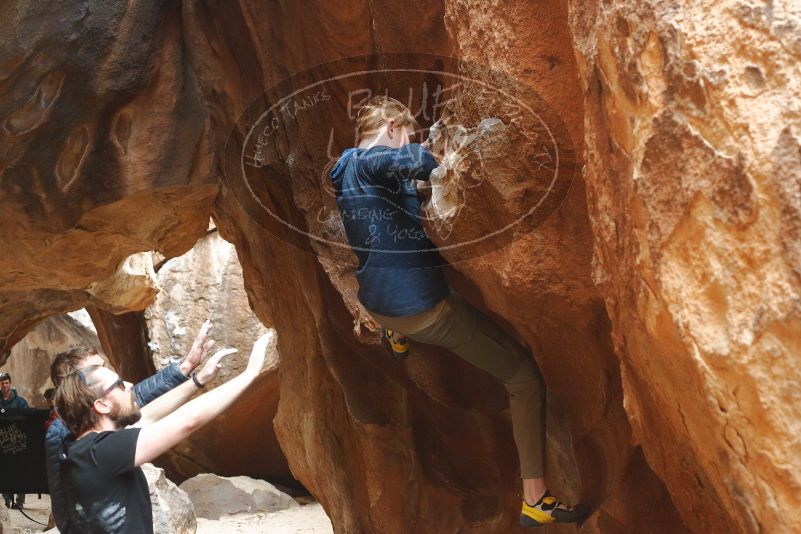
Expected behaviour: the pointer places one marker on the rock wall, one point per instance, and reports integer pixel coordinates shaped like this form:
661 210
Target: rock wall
124 340
205 283
105 153
541 282
659 296
694 174
385 448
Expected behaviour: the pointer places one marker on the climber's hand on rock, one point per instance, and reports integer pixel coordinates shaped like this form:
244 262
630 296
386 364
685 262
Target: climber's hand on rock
257 355
438 139
429 146
424 190
213 366
200 348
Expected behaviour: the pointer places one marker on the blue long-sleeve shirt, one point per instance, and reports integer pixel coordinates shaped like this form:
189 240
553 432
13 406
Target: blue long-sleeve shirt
400 269
57 434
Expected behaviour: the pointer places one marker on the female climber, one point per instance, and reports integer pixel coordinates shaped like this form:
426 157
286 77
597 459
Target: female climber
401 284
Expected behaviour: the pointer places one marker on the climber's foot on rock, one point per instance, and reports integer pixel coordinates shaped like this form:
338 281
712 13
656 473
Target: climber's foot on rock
399 344
550 510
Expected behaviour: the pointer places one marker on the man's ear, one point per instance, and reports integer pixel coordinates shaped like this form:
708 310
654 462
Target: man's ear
391 128
101 407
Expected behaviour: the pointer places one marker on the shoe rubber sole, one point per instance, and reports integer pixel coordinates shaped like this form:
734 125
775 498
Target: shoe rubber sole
526 521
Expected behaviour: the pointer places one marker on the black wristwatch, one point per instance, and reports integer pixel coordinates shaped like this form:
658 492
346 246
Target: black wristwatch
196 381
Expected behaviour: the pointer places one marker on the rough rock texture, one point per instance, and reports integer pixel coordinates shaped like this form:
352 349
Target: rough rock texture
541 282
30 359
694 167
214 496
124 341
660 295
104 153
173 512
206 283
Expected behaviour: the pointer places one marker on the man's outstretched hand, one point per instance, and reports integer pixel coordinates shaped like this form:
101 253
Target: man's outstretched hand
257 355
213 366
200 348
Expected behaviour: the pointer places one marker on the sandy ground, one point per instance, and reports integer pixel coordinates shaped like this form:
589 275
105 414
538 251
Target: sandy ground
38 509
308 519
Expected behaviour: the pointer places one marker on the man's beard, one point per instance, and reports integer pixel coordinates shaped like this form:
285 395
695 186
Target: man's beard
121 420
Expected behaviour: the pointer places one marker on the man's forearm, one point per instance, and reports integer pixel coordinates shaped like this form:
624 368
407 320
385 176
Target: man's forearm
167 403
160 383
206 407
200 347
159 437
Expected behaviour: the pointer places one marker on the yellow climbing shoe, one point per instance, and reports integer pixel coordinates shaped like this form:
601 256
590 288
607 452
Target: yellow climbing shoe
399 344
549 510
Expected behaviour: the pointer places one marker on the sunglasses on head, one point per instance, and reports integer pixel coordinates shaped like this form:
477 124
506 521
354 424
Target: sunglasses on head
5 376
117 383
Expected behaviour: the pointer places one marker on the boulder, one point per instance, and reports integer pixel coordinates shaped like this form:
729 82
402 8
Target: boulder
131 287
173 512
215 496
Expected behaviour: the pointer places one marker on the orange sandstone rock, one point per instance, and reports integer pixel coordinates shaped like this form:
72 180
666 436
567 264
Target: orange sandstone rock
659 295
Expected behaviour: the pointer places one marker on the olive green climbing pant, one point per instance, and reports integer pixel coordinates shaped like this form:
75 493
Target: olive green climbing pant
457 326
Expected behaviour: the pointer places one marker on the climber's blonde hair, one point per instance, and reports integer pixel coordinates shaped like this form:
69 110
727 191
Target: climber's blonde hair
378 111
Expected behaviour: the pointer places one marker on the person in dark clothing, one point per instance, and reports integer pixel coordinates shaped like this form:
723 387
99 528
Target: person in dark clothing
402 286
105 488
102 464
10 399
145 392
8 395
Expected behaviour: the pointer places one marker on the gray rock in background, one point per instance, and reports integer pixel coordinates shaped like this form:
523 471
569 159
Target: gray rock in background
173 512
215 496
30 359
206 282
5 521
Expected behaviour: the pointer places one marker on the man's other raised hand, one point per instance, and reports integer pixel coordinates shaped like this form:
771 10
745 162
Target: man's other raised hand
200 348
213 366
257 355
